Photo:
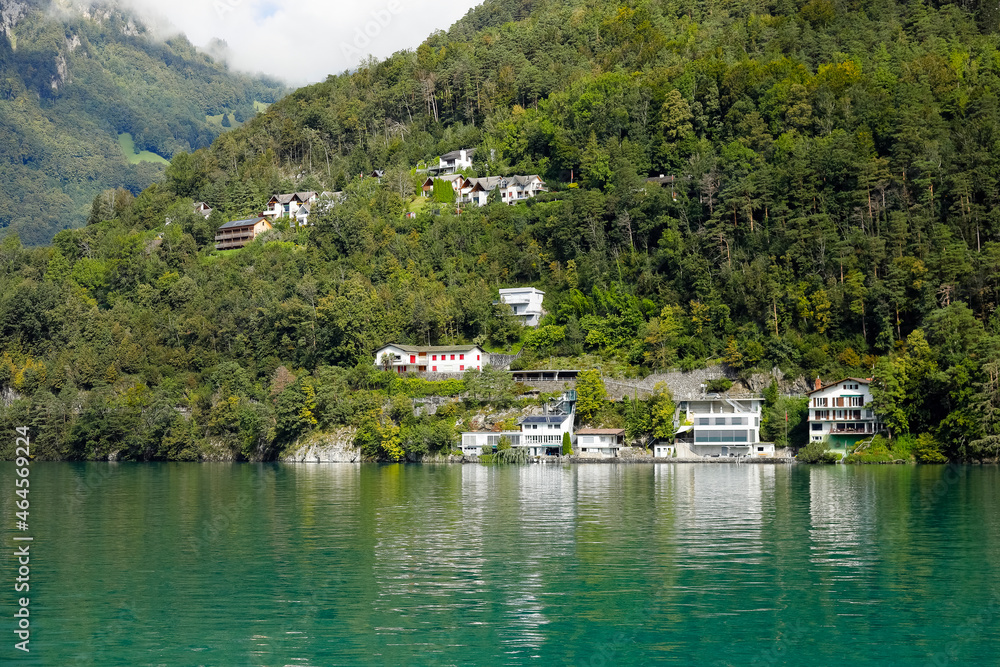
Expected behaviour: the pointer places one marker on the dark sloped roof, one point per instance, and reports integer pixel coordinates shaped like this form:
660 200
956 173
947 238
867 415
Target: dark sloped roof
241 223
454 155
433 348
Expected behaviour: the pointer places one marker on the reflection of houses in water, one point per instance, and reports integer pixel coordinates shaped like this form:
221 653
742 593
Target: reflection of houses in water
723 508
841 513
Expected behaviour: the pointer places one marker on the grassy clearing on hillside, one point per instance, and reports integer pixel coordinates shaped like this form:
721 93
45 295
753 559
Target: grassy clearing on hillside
261 106
128 148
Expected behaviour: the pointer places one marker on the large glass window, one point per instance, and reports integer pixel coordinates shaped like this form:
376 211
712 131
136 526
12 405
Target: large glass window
708 436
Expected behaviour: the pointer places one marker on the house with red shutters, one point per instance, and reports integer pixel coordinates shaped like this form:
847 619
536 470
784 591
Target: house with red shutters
430 358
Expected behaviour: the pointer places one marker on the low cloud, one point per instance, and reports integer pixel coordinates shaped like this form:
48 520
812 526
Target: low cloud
304 41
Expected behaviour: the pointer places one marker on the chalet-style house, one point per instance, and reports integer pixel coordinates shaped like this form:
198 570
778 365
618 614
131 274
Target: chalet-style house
430 358
296 206
238 233
841 413
288 205
712 426
526 302
512 189
202 209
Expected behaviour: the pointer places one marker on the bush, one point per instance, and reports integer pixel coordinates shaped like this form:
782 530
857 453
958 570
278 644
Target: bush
718 385
817 452
928 450
567 445
882 450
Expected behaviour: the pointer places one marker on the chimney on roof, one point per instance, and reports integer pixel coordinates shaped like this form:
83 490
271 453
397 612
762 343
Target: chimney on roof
819 383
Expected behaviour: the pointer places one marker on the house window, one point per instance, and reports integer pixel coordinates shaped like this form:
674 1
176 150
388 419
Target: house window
453 357
703 421
819 402
462 367
461 357
720 421
434 357
477 357
413 358
434 368
817 427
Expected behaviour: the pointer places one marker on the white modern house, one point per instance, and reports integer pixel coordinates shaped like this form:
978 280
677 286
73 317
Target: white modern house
430 358
841 413
454 161
526 302
599 443
713 426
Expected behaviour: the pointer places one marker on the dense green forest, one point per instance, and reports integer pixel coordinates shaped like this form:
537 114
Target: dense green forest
71 84
834 213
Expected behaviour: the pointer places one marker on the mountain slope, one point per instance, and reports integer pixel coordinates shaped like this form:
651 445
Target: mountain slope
73 82
834 213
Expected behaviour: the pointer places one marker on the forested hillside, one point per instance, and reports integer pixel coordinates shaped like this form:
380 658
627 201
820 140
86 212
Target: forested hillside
83 93
834 213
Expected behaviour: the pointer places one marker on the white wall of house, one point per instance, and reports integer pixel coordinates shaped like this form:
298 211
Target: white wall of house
526 302
598 445
664 450
432 359
842 409
539 435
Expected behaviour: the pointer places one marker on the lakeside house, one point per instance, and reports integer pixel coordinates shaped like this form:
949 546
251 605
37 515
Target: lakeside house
713 426
600 443
841 413
540 435
430 358
526 302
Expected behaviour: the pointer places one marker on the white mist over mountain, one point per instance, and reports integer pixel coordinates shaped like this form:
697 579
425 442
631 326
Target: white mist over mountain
303 41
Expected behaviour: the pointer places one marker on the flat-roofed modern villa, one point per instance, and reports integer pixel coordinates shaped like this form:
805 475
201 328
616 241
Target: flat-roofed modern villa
713 426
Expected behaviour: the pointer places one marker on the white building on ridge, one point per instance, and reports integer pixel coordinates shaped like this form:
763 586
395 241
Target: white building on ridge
526 302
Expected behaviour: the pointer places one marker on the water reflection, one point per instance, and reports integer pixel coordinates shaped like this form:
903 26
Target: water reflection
357 565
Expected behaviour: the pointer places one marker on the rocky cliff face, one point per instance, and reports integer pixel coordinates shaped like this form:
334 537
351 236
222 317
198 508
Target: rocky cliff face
335 447
11 12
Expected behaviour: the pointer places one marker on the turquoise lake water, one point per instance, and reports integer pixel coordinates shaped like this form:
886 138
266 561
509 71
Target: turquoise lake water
683 564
